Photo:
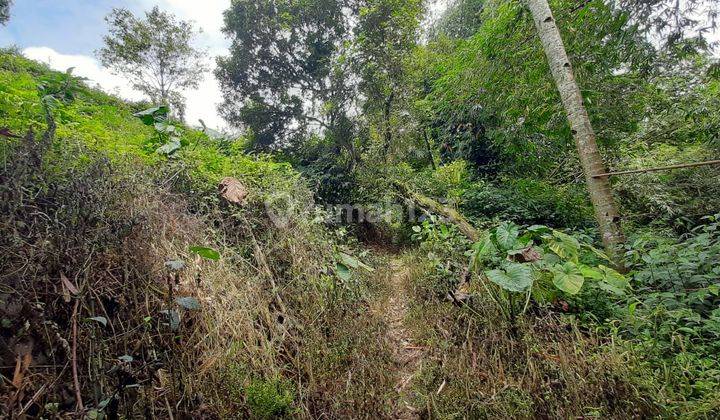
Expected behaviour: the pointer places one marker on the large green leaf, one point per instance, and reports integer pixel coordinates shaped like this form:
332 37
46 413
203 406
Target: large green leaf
188 303
482 250
353 262
568 278
204 252
612 281
515 278
565 246
152 115
343 272
164 127
506 235
172 146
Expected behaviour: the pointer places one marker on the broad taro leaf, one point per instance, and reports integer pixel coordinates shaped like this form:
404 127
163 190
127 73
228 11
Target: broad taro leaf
539 229
189 303
170 147
483 250
568 278
613 281
343 272
515 278
591 272
353 262
565 246
152 115
207 253
349 261
506 235
164 127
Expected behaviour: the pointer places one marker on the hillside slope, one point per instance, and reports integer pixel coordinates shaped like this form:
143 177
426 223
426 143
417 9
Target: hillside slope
130 287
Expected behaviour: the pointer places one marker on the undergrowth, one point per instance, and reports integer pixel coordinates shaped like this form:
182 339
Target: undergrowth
132 288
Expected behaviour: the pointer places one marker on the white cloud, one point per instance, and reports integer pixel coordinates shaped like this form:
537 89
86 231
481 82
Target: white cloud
86 67
201 102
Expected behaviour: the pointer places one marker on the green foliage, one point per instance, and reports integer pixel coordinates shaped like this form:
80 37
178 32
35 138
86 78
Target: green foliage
515 260
677 25
105 123
5 11
270 399
461 19
59 87
672 320
302 73
207 253
511 119
529 202
167 138
441 244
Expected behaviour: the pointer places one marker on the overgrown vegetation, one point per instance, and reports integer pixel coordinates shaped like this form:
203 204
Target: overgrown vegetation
115 292
153 269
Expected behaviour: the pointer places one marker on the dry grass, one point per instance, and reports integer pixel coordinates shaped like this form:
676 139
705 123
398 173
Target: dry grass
276 334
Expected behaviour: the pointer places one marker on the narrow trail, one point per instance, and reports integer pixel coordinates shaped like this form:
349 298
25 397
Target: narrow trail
407 356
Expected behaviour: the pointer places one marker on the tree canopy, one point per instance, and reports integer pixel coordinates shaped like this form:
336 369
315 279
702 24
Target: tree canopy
155 53
5 11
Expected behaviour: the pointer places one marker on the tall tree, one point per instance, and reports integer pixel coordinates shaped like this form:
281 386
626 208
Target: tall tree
5 11
155 53
599 187
286 74
387 31
461 19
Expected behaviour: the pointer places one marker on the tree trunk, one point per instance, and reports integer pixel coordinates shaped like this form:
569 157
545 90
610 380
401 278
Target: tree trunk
388 129
451 215
599 188
429 149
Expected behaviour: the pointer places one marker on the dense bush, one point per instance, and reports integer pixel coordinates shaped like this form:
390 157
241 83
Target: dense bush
528 202
129 267
672 321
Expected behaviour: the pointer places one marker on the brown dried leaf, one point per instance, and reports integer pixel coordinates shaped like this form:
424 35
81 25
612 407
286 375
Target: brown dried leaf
233 191
22 364
68 288
528 255
531 255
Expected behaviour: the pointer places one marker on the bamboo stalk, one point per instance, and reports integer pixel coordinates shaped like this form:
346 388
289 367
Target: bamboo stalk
661 168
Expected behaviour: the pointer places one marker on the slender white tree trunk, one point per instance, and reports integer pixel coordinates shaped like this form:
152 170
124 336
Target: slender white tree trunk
599 188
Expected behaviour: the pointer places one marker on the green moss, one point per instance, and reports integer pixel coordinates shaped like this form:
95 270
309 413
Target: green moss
270 398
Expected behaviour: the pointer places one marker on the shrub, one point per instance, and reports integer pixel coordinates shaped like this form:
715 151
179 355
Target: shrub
269 399
528 202
97 236
673 322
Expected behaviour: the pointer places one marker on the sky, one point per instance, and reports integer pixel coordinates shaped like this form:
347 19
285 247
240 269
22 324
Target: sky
66 33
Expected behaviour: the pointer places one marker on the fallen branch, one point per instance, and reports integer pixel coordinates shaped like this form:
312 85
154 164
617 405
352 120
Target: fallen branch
661 168
5 132
450 214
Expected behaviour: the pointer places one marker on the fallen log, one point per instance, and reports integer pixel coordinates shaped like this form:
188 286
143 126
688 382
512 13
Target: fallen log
450 214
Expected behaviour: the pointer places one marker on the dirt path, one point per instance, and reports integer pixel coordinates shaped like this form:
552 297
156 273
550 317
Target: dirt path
407 355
